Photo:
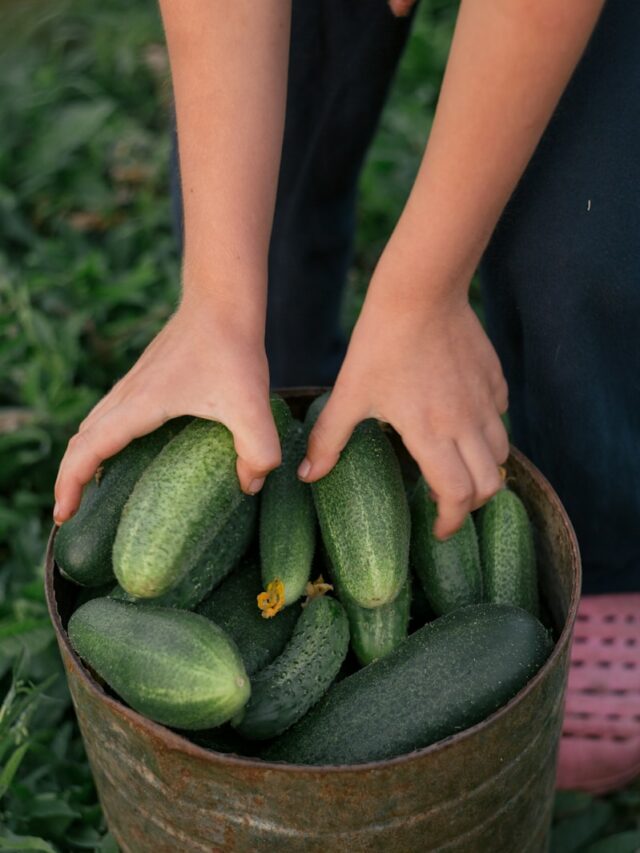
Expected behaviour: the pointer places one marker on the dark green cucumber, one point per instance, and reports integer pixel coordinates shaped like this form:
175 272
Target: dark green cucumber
281 414
377 631
221 555
364 517
444 678
283 692
173 666
449 570
288 520
508 553
223 739
181 501
83 545
233 607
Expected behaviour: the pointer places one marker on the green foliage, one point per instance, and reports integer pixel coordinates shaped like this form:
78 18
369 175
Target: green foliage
88 273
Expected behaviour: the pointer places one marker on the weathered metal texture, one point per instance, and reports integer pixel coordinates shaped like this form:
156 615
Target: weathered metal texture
489 788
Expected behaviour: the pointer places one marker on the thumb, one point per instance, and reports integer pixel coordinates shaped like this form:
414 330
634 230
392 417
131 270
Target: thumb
258 447
331 432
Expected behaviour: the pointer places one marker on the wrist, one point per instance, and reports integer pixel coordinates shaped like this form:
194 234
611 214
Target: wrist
236 305
410 277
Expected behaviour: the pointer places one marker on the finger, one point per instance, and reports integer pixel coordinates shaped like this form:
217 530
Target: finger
327 439
88 449
449 480
401 8
480 463
501 396
257 445
111 399
496 437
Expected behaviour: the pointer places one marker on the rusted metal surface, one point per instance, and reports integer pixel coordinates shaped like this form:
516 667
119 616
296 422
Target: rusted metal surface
488 789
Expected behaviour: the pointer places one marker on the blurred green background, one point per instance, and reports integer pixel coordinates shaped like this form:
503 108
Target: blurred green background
88 273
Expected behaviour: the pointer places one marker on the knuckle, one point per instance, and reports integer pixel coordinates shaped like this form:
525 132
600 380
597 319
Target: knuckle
77 441
488 487
458 493
263 462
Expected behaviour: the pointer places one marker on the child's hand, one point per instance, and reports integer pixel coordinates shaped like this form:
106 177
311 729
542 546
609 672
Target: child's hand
204 363
431 373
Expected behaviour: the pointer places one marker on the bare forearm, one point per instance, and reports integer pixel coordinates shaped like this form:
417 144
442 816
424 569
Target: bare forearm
229 68
510 61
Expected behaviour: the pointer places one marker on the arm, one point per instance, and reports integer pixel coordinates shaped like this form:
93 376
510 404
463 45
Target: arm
418 357
229 64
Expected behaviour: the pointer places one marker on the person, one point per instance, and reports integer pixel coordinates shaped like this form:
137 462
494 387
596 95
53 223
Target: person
530 173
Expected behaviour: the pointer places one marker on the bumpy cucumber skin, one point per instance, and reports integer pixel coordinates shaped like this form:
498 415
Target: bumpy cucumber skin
448 570
281 414
83 545
284 691
444 678
377 631
182 500
364 518
508 552
233 608
221 555
173 666
288 520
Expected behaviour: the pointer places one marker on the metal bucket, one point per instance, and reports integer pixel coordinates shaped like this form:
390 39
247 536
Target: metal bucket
488 789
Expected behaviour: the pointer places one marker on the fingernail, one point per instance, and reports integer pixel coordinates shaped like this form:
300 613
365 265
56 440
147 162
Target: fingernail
303 470
56 511
256 485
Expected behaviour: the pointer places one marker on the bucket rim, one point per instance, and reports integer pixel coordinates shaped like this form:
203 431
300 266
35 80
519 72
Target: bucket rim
176 741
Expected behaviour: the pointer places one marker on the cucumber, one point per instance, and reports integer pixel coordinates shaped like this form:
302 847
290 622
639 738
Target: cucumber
281 414
283 692
444 678
221 555
421 610
288 520
173 666
449 570
233 608
83 545
364 517
181 501
508 553
376 632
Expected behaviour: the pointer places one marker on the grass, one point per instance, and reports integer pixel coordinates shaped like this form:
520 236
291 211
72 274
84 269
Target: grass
88 273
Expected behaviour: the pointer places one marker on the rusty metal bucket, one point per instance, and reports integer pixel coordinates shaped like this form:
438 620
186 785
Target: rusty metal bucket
488 789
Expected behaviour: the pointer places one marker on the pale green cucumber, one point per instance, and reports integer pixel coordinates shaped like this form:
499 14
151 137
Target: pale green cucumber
221 555
377 631
508 552
364 517
288 521
173 666
183 499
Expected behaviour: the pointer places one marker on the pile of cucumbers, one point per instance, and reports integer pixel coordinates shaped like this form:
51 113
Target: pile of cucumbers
289 625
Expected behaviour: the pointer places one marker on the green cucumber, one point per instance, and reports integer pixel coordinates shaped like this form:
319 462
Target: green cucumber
173 666
444 678
221 555
449 570
83 545
233 607
288 520
181 501
377 631
283 692
364 517
281 414
508 553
